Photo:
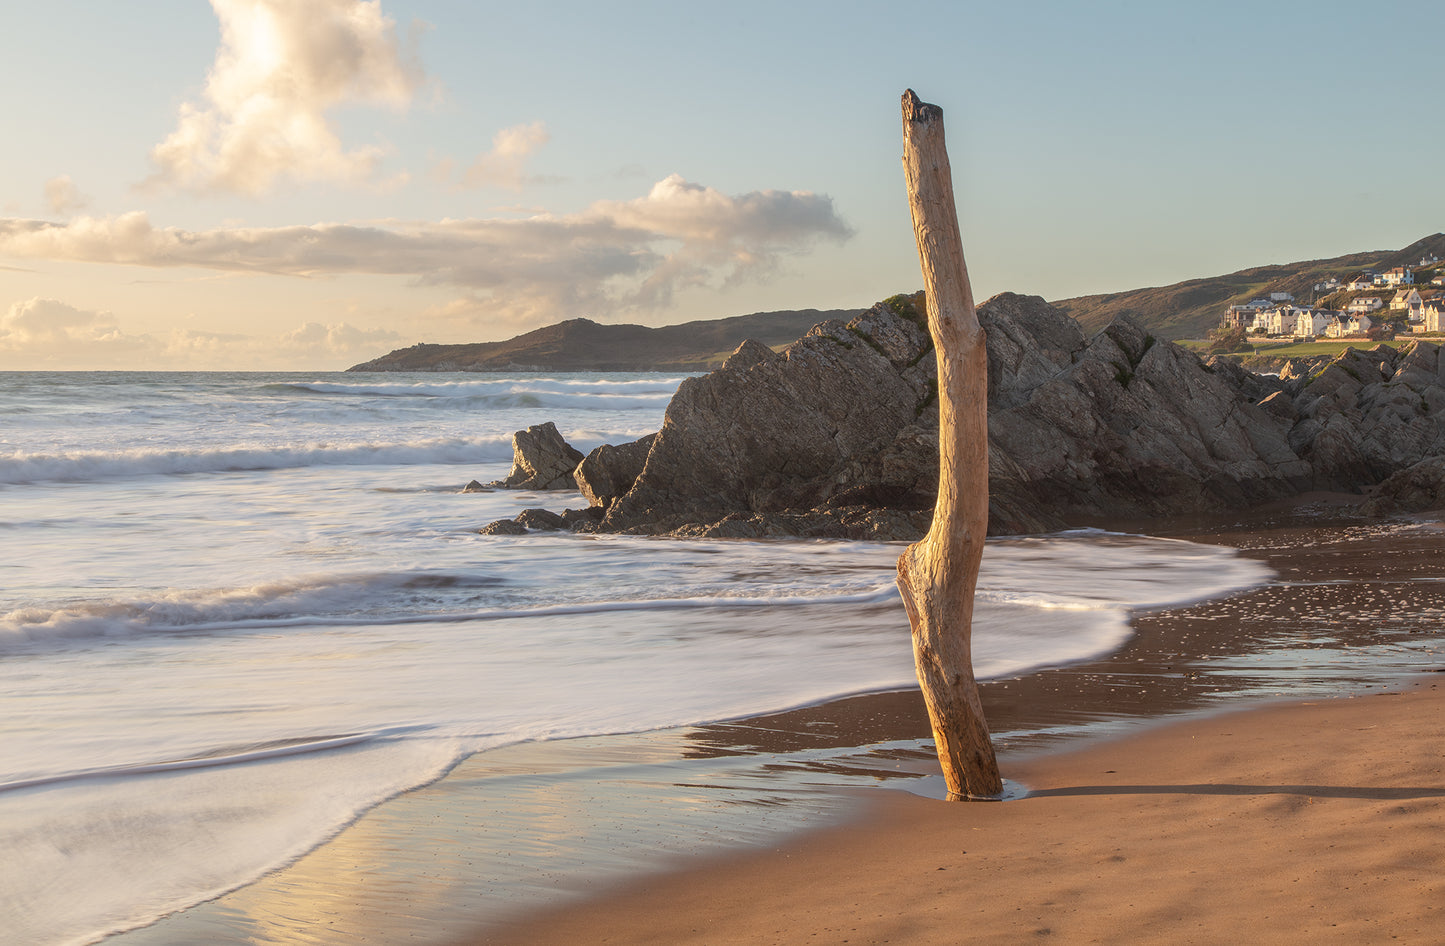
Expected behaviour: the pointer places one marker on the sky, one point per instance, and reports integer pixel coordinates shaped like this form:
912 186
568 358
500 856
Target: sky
308 184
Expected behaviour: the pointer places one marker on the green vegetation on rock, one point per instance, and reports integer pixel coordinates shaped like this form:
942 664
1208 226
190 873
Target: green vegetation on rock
910 306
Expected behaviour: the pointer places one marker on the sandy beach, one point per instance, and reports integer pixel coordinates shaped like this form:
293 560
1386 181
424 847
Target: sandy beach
1317 821
1244 769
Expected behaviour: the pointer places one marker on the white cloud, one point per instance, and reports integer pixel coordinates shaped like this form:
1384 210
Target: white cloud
613 257
62 196
281 67
50 320
505 165
339 339
48 333
312 346
741 238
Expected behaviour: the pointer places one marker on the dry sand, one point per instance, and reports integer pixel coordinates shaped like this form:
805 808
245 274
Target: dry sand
1320 821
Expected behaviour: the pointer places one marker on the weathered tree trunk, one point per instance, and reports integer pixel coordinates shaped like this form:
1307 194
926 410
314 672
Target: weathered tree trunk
938 574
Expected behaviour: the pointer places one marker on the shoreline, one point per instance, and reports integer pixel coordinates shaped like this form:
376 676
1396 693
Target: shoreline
606 811
1305 822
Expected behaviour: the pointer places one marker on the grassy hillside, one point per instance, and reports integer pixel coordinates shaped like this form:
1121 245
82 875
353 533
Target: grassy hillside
584 345
1328 349
1191 308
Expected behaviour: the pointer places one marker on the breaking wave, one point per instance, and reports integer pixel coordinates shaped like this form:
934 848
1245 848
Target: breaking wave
354 601
91 465
586 395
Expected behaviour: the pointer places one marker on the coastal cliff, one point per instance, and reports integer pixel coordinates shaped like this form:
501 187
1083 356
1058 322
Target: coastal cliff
837 434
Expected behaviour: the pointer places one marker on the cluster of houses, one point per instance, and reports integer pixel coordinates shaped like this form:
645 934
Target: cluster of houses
1420 308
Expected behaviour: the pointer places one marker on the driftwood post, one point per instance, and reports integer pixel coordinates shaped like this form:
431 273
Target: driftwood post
938 574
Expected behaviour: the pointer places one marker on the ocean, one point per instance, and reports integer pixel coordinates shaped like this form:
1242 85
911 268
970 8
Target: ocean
242 609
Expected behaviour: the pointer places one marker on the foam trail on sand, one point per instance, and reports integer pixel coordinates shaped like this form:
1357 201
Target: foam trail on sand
289 748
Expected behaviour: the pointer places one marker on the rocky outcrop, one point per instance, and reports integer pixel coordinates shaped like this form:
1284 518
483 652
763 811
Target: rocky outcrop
541 520
504 527
541 459
533 520
837 435
1418 488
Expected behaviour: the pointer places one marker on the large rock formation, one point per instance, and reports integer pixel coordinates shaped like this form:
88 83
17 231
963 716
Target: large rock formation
837 435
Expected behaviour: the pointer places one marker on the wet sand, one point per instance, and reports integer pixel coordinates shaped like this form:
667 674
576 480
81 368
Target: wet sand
1321 821
496 851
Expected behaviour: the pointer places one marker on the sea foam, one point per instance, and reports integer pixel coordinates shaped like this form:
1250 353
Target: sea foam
89 466
542 393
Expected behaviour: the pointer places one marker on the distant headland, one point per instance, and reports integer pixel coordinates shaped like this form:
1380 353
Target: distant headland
584 345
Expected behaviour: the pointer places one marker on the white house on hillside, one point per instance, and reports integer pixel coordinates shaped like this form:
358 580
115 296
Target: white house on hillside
1365 304
1399 276
1280 297
1243 316
1431 317
1408 300
1310 322
1347 325
1266 321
